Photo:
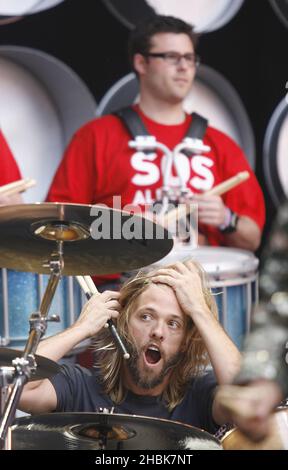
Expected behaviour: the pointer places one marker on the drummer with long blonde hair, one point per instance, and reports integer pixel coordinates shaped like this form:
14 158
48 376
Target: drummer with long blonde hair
168 321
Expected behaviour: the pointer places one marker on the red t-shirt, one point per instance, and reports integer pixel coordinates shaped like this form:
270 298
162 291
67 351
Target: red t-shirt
98 164
9 170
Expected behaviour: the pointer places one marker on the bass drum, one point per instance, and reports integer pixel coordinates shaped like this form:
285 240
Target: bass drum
277 438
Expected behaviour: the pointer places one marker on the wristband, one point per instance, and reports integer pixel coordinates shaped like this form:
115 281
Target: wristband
231 220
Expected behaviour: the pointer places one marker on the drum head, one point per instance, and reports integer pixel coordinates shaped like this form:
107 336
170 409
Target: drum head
107 431
219 263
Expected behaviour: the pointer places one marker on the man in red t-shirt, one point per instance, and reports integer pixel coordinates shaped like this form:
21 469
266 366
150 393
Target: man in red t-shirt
9 172
99 164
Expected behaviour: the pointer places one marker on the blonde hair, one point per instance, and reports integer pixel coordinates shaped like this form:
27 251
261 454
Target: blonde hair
192 362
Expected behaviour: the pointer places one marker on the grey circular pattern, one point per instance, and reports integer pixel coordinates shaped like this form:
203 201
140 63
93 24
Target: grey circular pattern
281 9
271 154
27 74
12 10
129 12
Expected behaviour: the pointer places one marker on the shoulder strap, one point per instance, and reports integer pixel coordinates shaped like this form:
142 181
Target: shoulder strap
197 127
132 121
136 127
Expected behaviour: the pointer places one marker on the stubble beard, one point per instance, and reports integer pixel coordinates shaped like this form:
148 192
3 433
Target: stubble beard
148 379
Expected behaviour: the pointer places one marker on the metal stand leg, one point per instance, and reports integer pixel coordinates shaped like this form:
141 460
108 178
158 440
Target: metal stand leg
23 367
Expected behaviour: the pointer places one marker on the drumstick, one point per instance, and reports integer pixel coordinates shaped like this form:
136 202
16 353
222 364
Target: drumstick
228 184
17 187
176 214
90 289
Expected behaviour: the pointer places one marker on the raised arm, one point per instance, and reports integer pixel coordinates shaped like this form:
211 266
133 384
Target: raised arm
40 396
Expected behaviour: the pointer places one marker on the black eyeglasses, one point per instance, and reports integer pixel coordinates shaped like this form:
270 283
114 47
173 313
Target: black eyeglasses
174 58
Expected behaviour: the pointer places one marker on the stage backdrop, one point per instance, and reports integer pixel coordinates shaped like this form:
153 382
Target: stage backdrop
58 59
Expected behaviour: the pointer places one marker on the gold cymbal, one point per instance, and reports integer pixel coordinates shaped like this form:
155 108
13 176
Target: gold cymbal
96 239
45 367
72 431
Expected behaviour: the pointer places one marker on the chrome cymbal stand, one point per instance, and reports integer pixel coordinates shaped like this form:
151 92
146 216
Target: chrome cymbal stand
25 365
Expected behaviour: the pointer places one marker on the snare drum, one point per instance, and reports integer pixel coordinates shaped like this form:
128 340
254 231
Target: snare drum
233 279
20 295
277 438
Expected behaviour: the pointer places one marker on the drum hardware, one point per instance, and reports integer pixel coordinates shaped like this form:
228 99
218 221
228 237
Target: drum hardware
25 365
11 377
28 235
45 367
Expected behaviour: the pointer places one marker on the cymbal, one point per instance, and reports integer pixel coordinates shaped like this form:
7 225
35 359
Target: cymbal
45 367
96 239
106 431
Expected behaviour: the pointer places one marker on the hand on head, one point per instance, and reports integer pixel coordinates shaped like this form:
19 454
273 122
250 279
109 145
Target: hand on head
186 283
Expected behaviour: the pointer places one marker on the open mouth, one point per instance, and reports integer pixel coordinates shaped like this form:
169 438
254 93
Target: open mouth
152 355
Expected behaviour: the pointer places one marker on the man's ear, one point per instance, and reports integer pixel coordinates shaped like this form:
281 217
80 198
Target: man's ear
140 64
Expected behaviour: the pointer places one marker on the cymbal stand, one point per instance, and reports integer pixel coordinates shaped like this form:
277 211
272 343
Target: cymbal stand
25 365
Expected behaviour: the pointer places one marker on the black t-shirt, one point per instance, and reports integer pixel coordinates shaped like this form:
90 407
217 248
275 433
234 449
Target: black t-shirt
80 390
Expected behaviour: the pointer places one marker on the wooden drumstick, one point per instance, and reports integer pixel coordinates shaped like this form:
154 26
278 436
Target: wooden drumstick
228 184
89 288
178 213
17 187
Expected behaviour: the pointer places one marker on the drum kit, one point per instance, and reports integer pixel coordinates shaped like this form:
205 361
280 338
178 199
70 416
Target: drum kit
57 239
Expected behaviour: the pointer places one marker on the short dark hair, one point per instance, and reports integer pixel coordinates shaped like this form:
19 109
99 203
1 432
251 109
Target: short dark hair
140 37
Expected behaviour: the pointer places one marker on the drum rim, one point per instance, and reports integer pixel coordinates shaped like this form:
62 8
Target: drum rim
241 270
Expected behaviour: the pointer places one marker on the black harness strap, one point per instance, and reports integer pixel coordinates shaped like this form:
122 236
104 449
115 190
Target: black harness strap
136 127
132 121
197 127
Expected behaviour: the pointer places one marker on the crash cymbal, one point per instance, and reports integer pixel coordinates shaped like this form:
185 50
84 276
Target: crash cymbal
106 431
45 367
107 241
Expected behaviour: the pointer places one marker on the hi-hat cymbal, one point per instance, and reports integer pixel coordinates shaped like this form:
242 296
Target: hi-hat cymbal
96 240
45 367
107 431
